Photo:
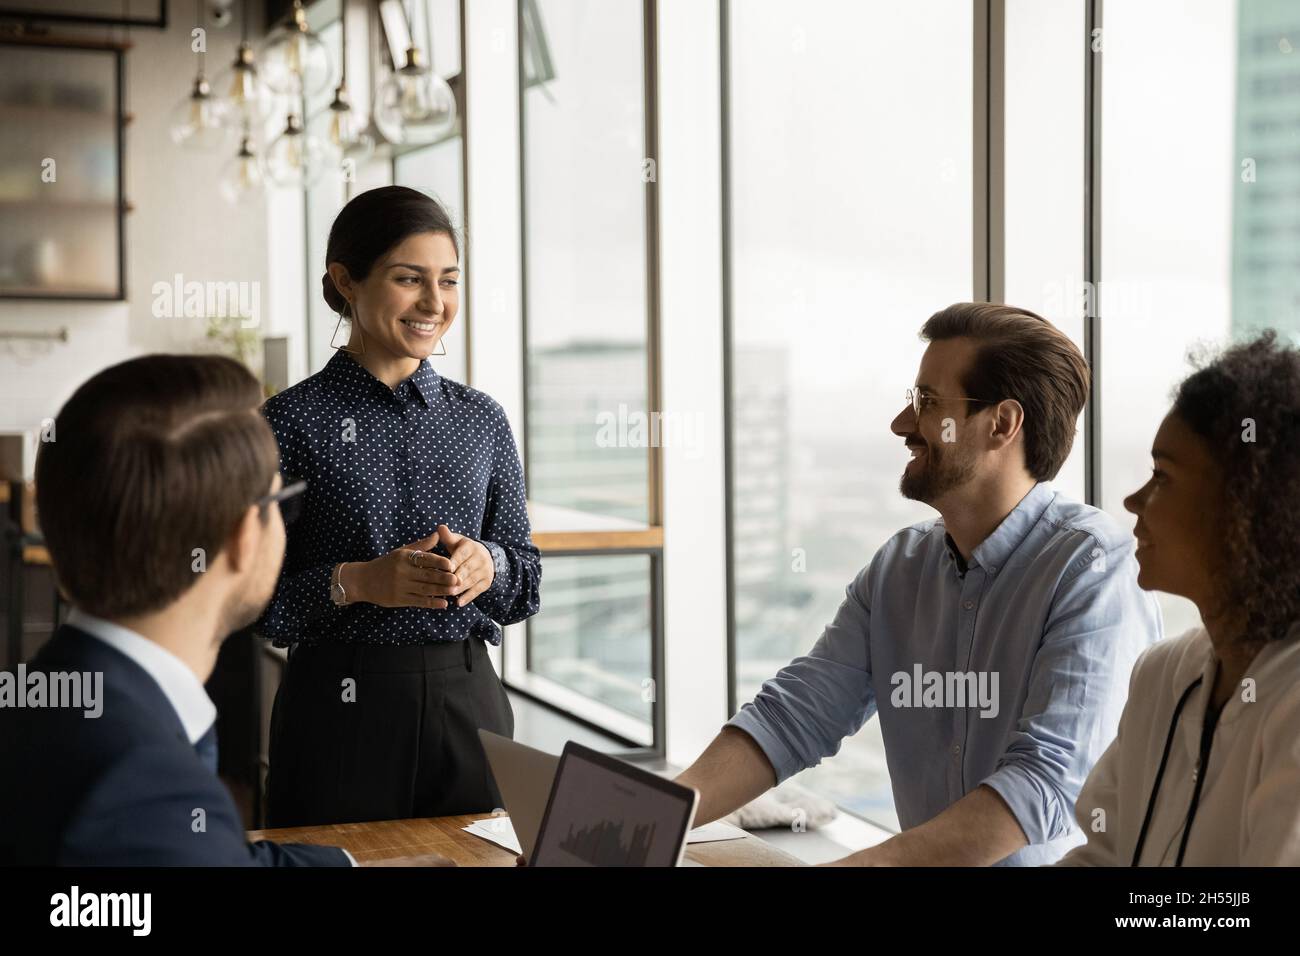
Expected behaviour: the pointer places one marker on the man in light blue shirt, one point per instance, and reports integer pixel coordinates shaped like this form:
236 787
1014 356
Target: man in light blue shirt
995 642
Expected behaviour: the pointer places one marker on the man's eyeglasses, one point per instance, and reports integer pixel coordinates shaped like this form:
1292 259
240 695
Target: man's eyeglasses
921 400
289 498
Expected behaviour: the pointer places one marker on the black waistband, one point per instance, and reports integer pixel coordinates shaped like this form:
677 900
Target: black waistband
387 658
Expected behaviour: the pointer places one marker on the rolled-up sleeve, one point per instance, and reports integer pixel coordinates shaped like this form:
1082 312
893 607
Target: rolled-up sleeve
803 714
1099 624
1099 793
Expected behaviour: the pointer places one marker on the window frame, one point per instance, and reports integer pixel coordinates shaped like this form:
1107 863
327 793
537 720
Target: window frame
988 264
562 543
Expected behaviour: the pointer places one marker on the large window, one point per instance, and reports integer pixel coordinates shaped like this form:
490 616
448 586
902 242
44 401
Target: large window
593 640
850 228
851 223
868 181
1191 251
585 254
588 338
1043 183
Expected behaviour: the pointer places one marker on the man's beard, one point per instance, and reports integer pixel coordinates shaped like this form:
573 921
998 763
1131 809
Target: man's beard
941 472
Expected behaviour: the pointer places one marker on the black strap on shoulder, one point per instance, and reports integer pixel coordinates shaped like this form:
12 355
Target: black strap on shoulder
1202 766
1164 759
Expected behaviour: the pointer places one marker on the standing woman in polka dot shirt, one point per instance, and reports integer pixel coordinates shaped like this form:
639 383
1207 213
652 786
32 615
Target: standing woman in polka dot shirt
412 548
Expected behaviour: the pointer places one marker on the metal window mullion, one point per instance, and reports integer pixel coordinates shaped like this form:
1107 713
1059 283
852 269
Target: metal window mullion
654 459
988 115
1092 434
650 108
467 259
728 372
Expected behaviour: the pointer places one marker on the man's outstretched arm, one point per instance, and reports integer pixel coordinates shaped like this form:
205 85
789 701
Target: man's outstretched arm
732 771
798 717
977 830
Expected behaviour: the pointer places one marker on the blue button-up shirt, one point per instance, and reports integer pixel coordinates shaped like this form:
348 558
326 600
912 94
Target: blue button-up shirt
1048 613
384 467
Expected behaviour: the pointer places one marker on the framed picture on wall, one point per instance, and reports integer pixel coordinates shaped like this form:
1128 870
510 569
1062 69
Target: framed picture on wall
61 182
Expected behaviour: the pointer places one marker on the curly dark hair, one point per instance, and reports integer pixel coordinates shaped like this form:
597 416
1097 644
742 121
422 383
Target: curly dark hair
1255 381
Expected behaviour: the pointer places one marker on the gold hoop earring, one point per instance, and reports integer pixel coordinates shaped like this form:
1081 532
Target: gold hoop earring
442 346
360 334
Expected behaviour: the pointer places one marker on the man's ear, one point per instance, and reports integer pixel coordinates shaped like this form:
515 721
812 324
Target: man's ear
1008 420
241 546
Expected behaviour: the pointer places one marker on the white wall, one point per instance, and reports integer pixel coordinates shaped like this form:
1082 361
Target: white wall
493 214
690 257
493 218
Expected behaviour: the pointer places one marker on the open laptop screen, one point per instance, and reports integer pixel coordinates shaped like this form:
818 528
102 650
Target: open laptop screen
605 812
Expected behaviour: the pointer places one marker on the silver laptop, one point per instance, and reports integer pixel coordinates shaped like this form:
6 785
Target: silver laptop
524 776
586 808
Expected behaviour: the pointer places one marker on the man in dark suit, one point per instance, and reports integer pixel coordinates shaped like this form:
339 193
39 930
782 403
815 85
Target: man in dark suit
127 788
160 502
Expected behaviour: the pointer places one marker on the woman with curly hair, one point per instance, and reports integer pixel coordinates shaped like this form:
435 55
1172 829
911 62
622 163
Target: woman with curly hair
1205 768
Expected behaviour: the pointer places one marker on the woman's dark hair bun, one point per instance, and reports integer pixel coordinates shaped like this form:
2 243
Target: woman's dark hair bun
373 223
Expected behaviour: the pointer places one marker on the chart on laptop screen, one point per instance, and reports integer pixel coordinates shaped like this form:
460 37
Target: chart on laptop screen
599 817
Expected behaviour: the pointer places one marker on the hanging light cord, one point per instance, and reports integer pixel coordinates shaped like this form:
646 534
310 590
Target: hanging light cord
343 48
428 37
410 28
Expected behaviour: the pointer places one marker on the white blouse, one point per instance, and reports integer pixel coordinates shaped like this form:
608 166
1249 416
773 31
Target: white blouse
1248 813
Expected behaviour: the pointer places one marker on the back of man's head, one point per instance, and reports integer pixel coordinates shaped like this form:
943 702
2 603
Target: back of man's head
1022 356
153 464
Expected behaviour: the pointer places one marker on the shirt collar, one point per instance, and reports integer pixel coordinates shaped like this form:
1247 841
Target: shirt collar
344 368
992 553
425 382
178 683
955 553
1274 661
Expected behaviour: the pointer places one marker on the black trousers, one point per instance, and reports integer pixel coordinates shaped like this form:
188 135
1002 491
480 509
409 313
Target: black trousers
384 732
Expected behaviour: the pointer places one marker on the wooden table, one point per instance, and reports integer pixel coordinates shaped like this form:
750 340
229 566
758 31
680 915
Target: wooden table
386 839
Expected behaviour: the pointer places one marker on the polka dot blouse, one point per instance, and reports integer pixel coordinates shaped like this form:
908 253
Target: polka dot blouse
384 467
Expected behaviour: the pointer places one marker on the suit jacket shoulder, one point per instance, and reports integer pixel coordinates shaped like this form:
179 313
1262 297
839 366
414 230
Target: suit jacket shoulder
123 788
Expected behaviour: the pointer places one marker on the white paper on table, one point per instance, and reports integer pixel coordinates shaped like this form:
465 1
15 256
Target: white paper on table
498 830
501 831
715 832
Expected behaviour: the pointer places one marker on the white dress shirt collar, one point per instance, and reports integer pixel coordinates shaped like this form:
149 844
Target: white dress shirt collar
180 685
